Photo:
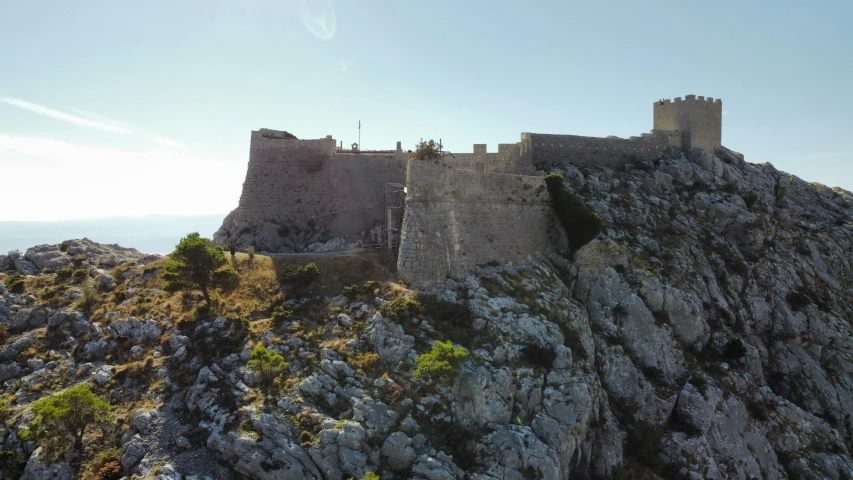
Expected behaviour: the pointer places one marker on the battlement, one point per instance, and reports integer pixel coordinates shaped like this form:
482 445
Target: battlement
698 118
691 98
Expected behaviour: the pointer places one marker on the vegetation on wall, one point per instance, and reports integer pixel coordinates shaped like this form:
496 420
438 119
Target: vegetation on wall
426 151
580 223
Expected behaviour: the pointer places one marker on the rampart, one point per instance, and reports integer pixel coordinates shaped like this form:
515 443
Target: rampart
302 191
508 159
541 149
456 219
469 209
701 118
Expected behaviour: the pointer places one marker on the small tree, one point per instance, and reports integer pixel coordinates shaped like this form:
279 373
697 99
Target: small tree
267 363
194 265
426 151
69 413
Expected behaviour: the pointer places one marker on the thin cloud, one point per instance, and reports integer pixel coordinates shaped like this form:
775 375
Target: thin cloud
818 156
172 144
100 118
319 18
725 112
67 117
163 141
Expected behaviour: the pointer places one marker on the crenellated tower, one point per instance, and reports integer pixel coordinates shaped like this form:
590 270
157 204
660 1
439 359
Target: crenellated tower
699 119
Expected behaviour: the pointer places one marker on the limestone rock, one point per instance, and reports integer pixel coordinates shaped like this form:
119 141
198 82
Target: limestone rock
36 469
137 331
142 419
132 452
398 451
392 344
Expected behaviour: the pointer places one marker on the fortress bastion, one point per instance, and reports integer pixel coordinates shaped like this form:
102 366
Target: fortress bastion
469 209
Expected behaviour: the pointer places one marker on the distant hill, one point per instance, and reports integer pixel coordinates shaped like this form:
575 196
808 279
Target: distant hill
149 234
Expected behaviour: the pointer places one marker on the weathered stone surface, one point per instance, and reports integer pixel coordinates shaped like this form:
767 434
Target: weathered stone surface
136 330
398 451
392 344
36 469
132 452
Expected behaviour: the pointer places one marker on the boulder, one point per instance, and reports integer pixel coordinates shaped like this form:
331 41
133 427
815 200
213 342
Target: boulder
398 451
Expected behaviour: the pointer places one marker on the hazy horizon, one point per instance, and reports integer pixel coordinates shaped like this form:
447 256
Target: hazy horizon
149 234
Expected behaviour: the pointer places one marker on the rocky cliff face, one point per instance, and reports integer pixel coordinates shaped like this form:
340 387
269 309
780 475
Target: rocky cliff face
705 334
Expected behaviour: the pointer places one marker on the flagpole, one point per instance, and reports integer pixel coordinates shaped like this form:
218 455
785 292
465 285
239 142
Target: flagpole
359 135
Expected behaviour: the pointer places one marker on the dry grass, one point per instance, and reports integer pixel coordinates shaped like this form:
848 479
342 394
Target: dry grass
255 286
337 344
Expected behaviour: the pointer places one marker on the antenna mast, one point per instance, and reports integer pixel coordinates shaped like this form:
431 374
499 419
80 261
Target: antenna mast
359 135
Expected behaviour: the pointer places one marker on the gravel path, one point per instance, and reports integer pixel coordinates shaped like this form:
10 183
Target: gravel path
198 460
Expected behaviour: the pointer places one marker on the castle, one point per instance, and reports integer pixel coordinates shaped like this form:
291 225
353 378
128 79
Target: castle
442 217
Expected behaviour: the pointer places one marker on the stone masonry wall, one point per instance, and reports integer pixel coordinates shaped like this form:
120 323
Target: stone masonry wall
540 149
314 193
457 218
508 159
701 117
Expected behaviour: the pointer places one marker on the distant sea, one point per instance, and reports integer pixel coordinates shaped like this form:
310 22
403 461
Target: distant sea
150 234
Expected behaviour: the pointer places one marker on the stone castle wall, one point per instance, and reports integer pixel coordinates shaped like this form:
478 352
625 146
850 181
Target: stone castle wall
456 219
700 117
508 159
470 209
541 149
311 191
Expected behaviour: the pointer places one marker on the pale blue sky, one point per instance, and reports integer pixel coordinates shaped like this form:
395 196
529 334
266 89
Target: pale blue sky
105 105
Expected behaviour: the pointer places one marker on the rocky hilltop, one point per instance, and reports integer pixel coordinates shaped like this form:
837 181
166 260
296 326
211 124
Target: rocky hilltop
704 334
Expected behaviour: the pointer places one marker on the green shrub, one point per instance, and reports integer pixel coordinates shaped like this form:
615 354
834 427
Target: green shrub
281 313
15 283
400 308
89 299
64 274
250 252
79 275
580 223
5 412
297 279
267 363
370 476
353 292
442 362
